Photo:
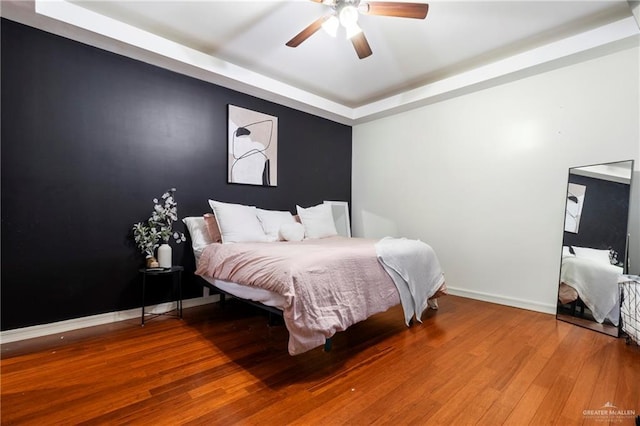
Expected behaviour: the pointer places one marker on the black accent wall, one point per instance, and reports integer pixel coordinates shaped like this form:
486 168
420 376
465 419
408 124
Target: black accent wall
89 138
605 215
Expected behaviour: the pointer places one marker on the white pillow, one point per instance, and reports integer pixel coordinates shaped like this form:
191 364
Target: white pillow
238 223
292 231
317 221
271 221
600 256
198 232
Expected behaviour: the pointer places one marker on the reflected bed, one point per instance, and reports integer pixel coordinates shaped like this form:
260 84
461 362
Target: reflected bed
592 282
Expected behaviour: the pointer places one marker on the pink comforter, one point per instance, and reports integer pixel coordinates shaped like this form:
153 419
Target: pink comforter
329 284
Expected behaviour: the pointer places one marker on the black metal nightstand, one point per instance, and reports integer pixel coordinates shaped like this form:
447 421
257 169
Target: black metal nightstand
175 272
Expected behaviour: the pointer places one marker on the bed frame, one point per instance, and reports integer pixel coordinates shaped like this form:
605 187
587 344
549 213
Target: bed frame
271 311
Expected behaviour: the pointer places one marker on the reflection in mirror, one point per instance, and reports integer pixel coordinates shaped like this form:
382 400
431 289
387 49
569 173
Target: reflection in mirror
594 248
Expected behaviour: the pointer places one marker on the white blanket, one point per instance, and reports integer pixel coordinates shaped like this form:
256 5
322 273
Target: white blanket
415 270
596 284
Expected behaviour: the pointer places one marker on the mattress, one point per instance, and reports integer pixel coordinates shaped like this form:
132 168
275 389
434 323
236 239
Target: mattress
256 294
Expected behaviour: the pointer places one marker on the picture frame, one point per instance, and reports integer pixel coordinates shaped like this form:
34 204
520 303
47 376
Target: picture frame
252 147
575 202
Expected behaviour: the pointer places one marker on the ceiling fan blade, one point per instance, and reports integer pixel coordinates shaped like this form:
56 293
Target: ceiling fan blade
307 32
400 10
361 45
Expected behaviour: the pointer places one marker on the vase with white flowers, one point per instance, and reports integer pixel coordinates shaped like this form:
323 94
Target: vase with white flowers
159 227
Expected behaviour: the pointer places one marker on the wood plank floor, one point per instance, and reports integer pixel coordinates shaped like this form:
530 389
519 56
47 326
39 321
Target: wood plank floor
470 362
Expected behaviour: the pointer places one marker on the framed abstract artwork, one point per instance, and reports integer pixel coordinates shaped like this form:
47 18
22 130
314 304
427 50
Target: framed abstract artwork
253 147
575 201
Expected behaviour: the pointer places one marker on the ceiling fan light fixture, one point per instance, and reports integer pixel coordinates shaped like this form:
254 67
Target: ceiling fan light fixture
331 26
348 16
364 8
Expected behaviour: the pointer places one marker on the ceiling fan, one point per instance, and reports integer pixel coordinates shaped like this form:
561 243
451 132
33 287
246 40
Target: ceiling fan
345 13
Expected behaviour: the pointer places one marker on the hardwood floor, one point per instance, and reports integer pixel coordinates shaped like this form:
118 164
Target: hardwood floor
470 362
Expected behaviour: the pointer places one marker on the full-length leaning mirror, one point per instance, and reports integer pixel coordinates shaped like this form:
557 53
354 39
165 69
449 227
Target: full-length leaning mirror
594 247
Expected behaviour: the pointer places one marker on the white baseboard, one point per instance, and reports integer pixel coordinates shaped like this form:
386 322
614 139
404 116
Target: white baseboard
17 334
502 300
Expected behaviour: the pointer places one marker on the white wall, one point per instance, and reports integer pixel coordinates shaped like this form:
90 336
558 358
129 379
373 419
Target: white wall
482 177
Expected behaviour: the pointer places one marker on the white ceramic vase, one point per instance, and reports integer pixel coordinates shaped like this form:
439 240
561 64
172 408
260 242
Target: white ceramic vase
164 255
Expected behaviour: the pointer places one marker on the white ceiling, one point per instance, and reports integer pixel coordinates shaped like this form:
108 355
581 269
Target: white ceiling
460 44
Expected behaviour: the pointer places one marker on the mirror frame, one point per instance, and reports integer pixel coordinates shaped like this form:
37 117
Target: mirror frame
623 255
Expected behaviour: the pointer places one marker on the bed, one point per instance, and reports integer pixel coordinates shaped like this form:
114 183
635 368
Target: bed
321 283
588 277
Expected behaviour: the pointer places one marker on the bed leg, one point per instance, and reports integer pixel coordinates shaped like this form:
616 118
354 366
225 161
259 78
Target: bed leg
327 344
433 303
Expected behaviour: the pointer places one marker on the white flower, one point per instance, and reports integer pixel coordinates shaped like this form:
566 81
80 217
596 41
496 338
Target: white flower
159 225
